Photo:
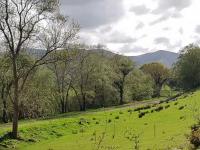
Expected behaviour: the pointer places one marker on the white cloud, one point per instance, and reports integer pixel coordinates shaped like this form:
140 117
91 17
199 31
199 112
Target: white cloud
131 27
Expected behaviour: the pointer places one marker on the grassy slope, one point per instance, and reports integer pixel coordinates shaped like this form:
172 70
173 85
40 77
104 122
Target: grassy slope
157 130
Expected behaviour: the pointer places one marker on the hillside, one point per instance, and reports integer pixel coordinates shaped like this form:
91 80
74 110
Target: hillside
163 126
165 57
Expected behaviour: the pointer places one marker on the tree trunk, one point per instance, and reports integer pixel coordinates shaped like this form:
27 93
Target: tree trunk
122 91
157 91
121 102
84 103
15 112
15 101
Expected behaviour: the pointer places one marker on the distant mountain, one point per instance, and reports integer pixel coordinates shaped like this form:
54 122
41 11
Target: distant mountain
165 57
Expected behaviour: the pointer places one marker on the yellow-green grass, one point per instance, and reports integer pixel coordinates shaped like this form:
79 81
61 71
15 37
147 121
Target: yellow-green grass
158 130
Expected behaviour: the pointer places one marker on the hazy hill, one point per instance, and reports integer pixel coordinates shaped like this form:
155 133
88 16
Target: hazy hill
165 57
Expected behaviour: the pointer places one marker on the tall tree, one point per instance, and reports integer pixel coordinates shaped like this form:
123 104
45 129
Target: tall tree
83 85
31 21
187 68
64 73
159 74
122 67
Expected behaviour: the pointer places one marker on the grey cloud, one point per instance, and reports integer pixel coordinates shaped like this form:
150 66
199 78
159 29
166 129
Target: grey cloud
165 17
169 9
178 5
139 26
162 40
106 29
93 13
117 37
140 10
197 29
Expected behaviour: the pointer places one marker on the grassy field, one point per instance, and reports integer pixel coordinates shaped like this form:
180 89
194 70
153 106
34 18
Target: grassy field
110 129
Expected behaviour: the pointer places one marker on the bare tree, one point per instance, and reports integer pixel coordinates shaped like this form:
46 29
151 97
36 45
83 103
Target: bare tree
25 22
64 73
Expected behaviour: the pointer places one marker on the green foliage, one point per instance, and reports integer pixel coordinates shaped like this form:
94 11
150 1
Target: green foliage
187 69
159 74
139 86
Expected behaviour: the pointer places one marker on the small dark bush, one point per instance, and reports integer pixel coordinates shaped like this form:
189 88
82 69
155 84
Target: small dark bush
97 122
159 108
182 117
180 108
152 111
176 103
32 140
161 102
143 108
109 120
140 115
117 117
137 109
167 106
94 118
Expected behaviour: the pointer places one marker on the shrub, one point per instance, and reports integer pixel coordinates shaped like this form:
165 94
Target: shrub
180 108
143 108
167 106
109 120
152 111
195 136
140 115
117 117
159 108
94 118
182 117
176 103
161 102
97 122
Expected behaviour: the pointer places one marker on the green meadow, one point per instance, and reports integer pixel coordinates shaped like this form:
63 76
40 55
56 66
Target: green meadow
112 128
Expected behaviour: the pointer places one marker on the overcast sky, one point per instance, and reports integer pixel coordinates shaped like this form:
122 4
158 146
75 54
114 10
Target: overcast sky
133 27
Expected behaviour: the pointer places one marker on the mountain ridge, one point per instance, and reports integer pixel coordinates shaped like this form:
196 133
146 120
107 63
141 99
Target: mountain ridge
167 58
